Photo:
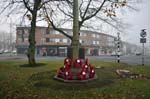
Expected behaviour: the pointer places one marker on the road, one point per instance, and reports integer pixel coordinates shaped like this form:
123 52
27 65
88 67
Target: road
130 59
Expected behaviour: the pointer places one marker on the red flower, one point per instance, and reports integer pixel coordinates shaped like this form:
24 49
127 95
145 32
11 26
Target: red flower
86 68
81 75
86 61
67 74
58 72
77 63
67 62
91 72
65 67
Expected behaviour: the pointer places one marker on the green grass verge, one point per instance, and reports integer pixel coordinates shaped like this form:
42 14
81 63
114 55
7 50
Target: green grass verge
20 82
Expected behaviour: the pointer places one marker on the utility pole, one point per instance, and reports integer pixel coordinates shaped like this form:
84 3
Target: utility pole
142 54
10 35
10 47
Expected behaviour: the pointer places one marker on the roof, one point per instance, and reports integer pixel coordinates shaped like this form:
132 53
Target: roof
70 30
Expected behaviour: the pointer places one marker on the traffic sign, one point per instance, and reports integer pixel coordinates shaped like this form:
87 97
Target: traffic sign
142 40
143 33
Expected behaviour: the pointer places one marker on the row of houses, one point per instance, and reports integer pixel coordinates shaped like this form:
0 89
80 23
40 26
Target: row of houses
50 42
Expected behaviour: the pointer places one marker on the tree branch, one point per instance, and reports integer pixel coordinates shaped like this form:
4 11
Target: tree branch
91 15
9 4
24 16
54 27
27 6
109 23
65 12
87 8
80 8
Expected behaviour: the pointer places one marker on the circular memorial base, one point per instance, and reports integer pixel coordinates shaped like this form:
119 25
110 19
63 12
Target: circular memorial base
75 81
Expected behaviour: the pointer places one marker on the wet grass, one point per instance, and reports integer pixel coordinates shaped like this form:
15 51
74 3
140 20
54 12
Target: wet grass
18 81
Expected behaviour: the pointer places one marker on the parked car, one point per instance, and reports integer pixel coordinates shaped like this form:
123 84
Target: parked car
14 52
6 51
1 52
138 54
116 53
113 54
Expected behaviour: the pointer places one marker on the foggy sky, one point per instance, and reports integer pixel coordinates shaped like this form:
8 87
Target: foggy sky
139 20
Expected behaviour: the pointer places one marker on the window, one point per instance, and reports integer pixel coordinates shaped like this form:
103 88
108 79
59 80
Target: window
43 31
43 40
52 31
26 31
93 35
110 39
47 40
52 40
61 40
64 40
94 42
22 35
26 39
47 31
69 41
19 39
56 32
57 40
82 34
97 42
81 41
97 36
19 31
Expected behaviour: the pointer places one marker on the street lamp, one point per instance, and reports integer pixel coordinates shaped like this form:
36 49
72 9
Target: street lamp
10 34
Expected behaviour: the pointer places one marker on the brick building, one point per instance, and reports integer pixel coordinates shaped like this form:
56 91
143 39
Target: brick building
49 42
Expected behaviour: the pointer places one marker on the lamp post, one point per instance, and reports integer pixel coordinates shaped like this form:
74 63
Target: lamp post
10 35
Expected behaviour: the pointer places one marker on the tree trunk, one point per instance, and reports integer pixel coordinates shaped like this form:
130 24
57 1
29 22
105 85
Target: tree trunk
75 40
32 43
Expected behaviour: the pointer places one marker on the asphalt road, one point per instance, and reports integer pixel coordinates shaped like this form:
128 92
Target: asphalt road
130 59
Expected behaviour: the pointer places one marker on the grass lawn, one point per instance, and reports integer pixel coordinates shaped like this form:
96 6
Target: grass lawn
20 82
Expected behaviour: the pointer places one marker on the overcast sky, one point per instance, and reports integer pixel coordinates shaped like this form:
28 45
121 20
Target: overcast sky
138 20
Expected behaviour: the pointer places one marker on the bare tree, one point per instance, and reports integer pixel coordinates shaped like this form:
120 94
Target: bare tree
31 6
